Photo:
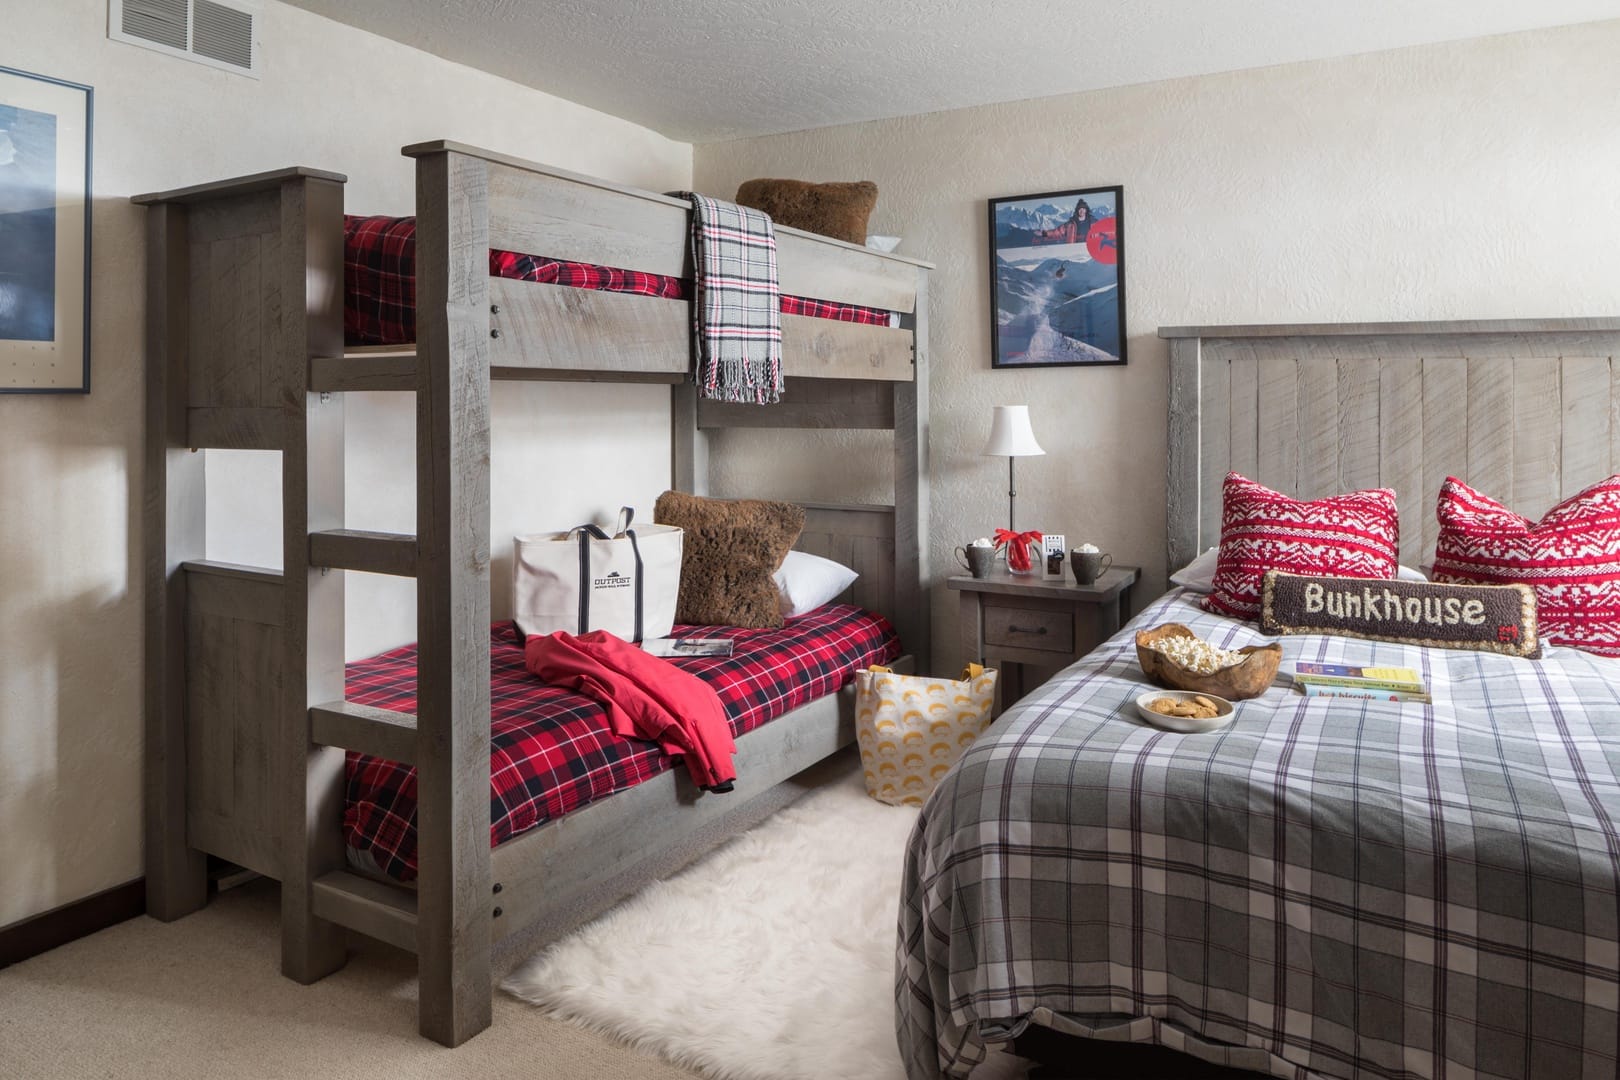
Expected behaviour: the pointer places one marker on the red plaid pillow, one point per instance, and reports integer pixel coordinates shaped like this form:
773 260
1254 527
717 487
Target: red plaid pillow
1352 535
1571 557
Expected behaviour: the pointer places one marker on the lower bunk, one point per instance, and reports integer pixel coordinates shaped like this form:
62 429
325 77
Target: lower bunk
553 751
578 817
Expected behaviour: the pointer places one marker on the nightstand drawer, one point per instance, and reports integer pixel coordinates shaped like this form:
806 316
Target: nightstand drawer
1029 628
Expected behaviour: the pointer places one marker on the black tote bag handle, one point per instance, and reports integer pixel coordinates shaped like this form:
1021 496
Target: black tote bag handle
586 534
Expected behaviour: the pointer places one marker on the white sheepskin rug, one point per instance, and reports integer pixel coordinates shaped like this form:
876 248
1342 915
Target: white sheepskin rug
772 958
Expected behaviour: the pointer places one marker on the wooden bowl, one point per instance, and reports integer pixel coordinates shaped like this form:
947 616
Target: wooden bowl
1248 679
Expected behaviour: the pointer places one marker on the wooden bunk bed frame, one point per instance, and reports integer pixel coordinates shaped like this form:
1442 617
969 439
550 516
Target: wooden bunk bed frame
246 717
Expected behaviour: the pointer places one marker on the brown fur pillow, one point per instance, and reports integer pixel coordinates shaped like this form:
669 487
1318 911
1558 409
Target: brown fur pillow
731 549
836 210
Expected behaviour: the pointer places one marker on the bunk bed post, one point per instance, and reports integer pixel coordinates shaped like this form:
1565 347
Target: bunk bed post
311 316
690 452
176 873
911 539
455 906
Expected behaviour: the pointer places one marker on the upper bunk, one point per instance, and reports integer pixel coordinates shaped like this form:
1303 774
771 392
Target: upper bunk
255 272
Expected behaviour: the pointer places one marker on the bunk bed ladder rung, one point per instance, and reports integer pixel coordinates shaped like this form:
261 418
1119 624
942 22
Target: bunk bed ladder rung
370 552
364 369
379 732
374 908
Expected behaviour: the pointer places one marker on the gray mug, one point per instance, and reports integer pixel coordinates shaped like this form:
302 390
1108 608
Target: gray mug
1089 565
976 560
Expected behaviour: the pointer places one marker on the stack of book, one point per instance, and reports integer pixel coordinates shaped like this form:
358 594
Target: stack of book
1346 680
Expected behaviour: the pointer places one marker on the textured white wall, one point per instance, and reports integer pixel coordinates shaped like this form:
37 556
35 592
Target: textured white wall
70 485
1476 179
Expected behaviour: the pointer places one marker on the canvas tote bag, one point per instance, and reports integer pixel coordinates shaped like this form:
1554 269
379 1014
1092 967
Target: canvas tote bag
584 579
912 729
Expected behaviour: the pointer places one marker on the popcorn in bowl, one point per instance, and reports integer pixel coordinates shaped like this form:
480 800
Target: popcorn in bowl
1174 657
1196 655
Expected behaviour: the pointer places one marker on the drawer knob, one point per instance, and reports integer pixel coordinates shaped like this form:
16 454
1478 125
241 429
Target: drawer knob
1027 629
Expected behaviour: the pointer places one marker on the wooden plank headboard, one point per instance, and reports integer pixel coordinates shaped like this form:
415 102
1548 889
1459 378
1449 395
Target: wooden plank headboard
1527 410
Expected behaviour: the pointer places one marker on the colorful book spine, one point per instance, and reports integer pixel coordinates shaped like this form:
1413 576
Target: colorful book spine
1362 684
1351 671
1366 693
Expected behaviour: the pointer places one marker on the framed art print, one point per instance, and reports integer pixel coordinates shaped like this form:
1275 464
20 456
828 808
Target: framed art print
44 234
1057 279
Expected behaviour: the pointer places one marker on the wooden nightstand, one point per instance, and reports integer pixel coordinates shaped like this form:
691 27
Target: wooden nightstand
1045 621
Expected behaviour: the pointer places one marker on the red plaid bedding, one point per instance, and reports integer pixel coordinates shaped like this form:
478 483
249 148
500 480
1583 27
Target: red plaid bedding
551 750
379 282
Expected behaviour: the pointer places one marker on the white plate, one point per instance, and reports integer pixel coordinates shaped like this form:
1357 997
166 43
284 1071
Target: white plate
1186 725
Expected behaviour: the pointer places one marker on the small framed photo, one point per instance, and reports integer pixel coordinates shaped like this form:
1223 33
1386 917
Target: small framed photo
1057 279
44 234
1056 549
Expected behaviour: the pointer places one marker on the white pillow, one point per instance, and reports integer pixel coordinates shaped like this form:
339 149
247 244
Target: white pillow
1198 576
807 582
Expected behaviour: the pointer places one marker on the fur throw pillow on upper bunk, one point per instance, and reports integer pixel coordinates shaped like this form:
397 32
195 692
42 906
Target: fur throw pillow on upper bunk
732 549
836 210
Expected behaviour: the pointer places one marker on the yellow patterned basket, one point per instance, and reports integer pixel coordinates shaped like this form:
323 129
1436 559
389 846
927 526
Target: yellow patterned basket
912 729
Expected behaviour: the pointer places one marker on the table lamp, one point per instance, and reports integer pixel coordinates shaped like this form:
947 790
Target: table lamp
1011 437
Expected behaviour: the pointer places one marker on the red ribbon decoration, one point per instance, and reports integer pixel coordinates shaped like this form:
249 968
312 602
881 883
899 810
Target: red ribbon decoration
1018 547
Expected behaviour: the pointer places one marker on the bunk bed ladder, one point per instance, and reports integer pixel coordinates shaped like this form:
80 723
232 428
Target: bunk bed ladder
448 922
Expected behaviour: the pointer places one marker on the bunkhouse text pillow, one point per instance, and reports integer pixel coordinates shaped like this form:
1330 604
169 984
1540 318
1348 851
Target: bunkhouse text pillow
1484 618
1571 557
1353 535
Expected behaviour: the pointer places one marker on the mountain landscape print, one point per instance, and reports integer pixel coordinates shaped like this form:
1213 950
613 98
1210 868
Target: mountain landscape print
1058 287
27 224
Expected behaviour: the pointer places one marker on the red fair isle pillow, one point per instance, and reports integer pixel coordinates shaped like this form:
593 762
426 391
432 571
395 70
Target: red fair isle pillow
1353 535
1571 557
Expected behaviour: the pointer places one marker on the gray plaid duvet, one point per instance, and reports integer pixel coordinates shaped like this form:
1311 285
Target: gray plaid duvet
1328 887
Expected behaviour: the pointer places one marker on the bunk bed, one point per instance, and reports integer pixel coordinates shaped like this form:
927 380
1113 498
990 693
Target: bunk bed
248 708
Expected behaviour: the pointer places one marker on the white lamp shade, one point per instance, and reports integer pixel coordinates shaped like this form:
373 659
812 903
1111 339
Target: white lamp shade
1010 433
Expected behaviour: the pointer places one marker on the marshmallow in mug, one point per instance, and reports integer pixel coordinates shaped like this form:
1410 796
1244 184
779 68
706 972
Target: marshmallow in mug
983 541
1087 549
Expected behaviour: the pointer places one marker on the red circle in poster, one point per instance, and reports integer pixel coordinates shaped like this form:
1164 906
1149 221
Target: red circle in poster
1103 242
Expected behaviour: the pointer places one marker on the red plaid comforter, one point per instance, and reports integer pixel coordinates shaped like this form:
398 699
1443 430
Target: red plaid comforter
551 750
379 282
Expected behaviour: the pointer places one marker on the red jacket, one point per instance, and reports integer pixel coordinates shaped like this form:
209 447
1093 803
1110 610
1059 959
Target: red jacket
645 697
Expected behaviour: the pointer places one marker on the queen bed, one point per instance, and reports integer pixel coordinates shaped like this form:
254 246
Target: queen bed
1327 887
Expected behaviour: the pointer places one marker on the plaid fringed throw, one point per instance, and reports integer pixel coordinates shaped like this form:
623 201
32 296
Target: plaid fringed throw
736 310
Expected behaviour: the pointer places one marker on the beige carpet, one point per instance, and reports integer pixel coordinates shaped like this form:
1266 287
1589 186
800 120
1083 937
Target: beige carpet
202 998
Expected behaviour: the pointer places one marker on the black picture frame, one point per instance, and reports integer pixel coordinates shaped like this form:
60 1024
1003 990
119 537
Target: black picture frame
44 264
1048 258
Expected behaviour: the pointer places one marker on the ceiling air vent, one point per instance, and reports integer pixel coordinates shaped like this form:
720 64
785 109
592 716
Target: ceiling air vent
219 34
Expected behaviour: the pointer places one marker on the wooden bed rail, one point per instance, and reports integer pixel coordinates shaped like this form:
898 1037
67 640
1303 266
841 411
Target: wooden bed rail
548 211
564 215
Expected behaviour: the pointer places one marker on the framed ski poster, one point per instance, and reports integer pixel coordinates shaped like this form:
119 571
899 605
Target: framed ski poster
1057 279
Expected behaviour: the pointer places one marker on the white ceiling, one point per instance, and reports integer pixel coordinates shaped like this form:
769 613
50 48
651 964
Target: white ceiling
705 70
